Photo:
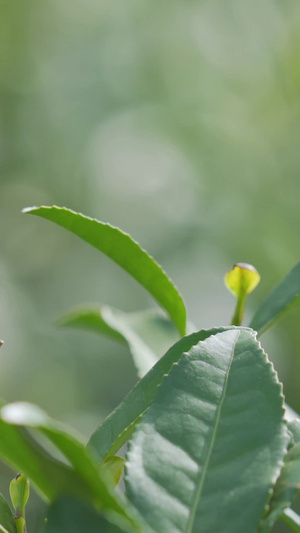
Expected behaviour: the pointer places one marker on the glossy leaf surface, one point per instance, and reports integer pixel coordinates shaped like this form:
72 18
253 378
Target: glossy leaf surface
208 450
119 425
7 523
148 334
124 251
278 301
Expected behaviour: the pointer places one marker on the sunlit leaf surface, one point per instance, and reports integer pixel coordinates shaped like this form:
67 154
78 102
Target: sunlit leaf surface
126 252
205 455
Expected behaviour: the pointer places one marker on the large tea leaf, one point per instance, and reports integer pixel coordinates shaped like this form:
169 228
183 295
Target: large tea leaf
278 301
119 425
206 453
148 334
126 252
7 523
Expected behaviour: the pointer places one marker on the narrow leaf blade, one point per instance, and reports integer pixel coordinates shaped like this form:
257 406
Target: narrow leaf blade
148 334
205 455
7 522
287 484
126 252
22 452
84 479
278 301
119 425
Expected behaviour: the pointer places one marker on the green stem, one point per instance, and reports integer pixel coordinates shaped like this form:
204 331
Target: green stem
20 525
292 519
238 316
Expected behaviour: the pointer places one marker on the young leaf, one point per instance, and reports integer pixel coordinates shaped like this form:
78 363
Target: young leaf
278 301
19 491
22 452
86 481
7 522
283 494
113 468
241 280
68 515
206 453
148 334
126 252
119 425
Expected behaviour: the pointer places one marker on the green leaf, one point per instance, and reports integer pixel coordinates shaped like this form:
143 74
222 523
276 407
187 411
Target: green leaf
284 494
278 301
126 252
290 474
292 519
113 468
7 523
91 318
241 280
148 334
19 491
206 454
294 427
22 452
68 515
84 479
119 425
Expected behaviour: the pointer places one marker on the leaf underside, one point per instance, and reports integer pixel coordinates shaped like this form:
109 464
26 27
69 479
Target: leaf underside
124 251
7 523
278 301
148 334
288 482
211 442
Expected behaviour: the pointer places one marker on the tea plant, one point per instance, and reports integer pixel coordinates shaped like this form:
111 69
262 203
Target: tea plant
211 445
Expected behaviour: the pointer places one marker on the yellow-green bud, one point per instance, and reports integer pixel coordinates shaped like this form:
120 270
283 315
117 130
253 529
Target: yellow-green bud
242 279
19 493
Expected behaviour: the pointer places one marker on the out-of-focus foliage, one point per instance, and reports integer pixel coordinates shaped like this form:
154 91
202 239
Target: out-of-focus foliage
177 121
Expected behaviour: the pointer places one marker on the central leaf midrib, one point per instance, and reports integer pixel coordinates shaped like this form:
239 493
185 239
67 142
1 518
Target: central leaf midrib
213 439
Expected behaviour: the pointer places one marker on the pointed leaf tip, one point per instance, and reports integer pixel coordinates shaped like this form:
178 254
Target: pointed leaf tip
126 252
30 209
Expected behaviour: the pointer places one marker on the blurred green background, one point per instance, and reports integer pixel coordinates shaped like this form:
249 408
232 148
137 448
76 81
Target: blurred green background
178 121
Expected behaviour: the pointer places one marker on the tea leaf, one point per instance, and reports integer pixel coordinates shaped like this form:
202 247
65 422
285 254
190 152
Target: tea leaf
148 334
212 440
126 252
119 425
278 301
7 523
